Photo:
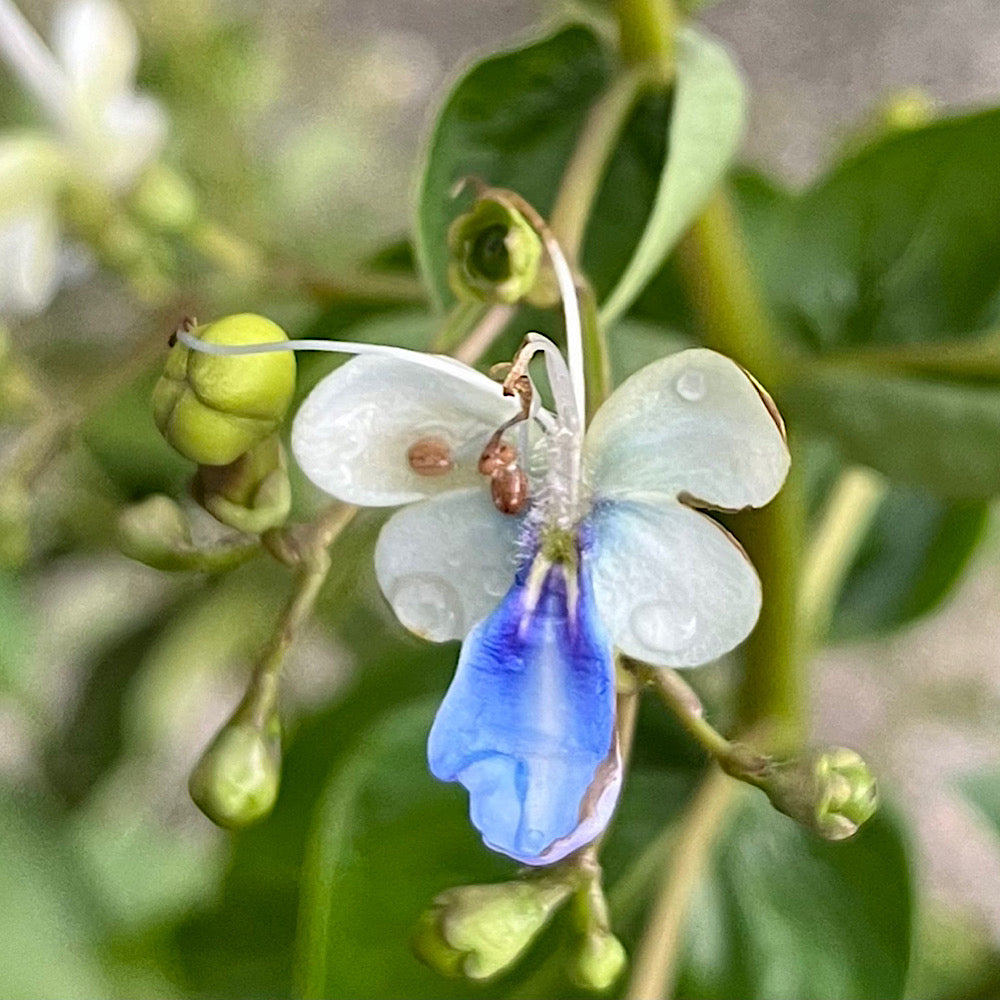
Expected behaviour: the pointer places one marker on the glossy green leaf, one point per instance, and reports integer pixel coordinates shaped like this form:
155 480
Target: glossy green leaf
899 244
706 125
386 839
913 554
783 915
943 436
511 120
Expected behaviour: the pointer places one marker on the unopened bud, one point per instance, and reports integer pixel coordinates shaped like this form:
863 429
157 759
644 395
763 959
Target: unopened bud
236 781
478 931
212 409
598 961
164 200
156 532
495 253
251 494
830 791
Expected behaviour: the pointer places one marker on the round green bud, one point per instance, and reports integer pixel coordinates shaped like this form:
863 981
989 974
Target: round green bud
236 781
478 931
252 494
847 795
164 200
495 253
832 791
212 409
599 960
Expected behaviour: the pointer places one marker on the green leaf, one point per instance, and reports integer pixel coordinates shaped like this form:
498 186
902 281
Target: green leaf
782 914
913 554
512 120
706 125
943 436
385 840
899 244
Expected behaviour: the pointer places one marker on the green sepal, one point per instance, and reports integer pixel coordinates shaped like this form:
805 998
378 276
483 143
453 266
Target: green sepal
478 931
252 494
495 253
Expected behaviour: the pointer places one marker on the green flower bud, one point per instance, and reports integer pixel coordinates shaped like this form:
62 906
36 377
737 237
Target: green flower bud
600 958
478 931
830 791
251 494
155 532
236 781
212 409
164 200
495 253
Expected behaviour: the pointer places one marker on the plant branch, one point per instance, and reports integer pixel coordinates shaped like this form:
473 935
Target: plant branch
850 509
734 319
647 30
581 180
654 966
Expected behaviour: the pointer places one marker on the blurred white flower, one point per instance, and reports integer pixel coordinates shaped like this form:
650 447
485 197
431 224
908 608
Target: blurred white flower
100 132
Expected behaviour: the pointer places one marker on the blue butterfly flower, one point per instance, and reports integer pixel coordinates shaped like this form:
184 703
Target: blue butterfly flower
593 543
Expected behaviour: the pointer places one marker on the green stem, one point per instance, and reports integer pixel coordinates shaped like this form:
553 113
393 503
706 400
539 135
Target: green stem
582 178
720 282
654 965
850 509
596 358
647 30
685 704
976 358
734 320
261 699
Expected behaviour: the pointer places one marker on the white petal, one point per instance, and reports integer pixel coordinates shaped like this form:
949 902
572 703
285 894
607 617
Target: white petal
673 588
97 45
444 564
134 128
691 423
29 262
352 434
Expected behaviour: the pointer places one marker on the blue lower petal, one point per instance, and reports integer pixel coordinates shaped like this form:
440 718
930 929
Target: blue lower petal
527 725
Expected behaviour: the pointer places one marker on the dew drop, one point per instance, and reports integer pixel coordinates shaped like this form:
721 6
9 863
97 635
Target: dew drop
690 385
663 627
428 605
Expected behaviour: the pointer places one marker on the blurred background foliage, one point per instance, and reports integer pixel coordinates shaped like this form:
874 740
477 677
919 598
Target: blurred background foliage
872 221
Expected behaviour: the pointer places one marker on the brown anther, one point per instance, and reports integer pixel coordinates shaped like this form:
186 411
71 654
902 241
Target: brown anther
509 489
186 325
496 456
430 457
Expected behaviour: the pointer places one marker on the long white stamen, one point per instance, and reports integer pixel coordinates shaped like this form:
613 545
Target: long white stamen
573 322
33 63
435 362
560 378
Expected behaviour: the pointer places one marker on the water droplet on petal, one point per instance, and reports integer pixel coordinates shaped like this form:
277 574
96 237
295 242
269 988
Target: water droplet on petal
690 385
428 605
663 627
498 585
